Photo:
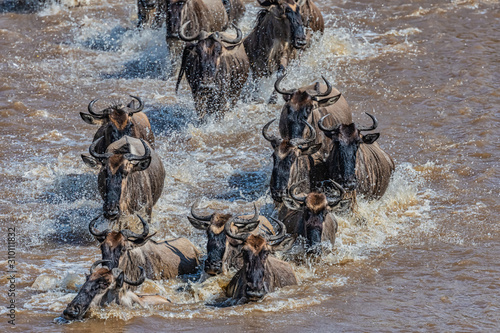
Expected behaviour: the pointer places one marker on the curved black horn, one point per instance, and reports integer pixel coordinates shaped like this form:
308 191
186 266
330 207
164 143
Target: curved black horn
227 228
97 263
97 234
186 38
200 217
147 153
239 36
139 108
277 87
331 201
254 219
266 135
291 191
140 281
281 234
96 155
306 141
328 91
91 108
374 125
139 237
322 126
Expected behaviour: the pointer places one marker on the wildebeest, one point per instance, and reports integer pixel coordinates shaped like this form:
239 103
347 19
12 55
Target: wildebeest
128 250
261 272
356 161
311 16
310 103
216 68
131 177
115 122
278 32
151 13
104 286
311 216
292 161
224 252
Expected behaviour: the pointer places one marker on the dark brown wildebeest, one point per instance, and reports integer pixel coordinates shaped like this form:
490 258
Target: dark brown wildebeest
292 162
356 161
216 68
261 272
128 250
311 216
310 103
117 121
131 177
105 286
224 252
277 34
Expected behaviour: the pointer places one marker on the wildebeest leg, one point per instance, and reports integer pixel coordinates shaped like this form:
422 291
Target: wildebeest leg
274 96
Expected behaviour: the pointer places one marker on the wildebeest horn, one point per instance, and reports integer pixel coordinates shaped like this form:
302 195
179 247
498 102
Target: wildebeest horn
282 92
139 108
97 234
138 237
239 36
254 219
291 191
91 108
241 236
97 263
323 128
374 125
200 35
327 92
147 153
140 281
200 217
266 135
331 201
281 235
306 141
96 155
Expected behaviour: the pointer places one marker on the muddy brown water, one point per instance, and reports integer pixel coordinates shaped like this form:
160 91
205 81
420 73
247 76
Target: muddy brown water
425 260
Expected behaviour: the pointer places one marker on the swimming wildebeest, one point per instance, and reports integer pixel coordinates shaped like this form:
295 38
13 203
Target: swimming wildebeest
272 43
311 216
128 250
131 178
356 161
216 68
105 286
261 272
224 252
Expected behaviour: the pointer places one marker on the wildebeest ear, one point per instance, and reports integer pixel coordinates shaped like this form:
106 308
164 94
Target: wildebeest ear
266 3
202 225
141 165
311 149
246 227
370 138
285 245
329 101
291 204
90 161
89 119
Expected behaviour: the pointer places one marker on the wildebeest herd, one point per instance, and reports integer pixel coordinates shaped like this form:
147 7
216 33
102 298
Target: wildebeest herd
321 159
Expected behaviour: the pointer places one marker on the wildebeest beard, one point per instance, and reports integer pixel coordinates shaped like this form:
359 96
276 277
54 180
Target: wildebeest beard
313 228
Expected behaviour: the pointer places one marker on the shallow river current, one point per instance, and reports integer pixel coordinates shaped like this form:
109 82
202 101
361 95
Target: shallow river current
425 260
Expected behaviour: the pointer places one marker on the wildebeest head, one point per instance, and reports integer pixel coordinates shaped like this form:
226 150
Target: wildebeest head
116 167
101 287
315 210
146 11
218 244
346 141
287 13
201 59
299 105
174 17
115 243
290 160
255 252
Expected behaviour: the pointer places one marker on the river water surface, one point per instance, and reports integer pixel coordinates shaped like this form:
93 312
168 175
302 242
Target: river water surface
425 260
